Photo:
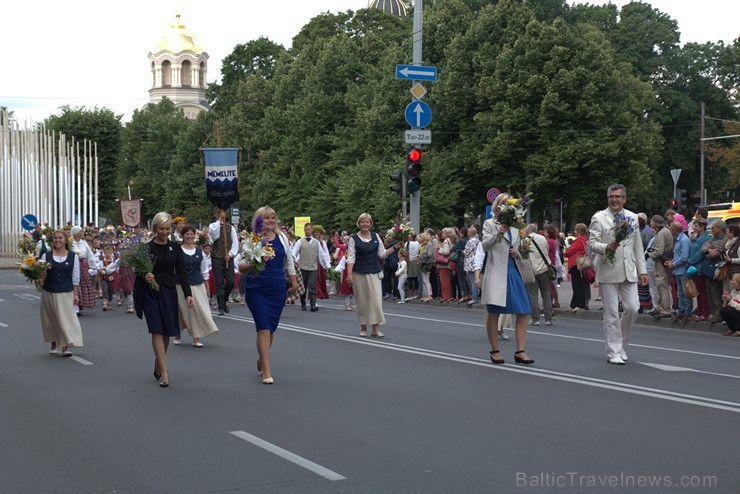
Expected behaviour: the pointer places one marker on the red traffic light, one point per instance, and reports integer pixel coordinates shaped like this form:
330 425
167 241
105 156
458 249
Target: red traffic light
414 154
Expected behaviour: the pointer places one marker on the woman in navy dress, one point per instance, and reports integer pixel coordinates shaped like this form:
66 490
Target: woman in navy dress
502 288
160 306
266 292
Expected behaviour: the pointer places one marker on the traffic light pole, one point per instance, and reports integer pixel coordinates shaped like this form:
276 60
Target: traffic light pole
415 199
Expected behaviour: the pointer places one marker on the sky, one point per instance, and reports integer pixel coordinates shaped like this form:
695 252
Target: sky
94 53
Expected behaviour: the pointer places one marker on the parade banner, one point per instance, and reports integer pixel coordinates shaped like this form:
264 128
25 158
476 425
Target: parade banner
222 176
131 211
298 223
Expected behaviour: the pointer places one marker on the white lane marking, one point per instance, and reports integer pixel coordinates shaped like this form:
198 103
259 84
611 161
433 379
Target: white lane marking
673 368
80 360
27 296
1 300
3 325
581 338
538 372
287 455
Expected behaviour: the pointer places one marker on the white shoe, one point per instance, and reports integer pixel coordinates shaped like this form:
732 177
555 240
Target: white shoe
623 354
198 345
401 302
176 342
503 336
548 322
617 360
535 323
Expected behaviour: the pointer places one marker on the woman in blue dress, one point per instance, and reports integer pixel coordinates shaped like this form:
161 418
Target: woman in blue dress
502 288
266 291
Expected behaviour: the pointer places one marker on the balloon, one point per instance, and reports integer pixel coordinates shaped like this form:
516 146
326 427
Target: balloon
692 271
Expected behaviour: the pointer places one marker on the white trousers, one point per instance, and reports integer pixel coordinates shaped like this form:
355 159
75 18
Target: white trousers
617 330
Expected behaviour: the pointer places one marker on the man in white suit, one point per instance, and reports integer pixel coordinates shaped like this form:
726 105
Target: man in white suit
617 280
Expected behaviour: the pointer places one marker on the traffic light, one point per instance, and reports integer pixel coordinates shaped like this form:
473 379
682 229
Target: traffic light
682 202
413 168
673 203
397 187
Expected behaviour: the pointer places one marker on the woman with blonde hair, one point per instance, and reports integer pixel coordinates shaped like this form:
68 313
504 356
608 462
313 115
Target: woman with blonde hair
160 305
60 290
363 251
502 288
426 262
444 270
266 291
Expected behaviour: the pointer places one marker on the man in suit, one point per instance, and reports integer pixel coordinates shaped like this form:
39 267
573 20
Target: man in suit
618 280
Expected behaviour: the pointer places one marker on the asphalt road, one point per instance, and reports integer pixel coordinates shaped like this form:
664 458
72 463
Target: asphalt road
421 410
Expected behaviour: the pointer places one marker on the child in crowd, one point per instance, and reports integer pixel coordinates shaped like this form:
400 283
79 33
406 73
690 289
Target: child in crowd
401 274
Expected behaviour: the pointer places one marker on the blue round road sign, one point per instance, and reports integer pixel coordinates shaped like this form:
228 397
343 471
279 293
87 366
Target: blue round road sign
29 222
418 114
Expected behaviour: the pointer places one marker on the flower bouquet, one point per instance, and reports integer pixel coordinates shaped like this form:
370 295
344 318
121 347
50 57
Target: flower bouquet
525 245
623 229
202 238
511 213
255 251
138 258
33 268
26 246
400 232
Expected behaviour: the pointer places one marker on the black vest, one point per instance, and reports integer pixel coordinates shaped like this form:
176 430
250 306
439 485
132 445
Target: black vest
218 250
366 255
59 276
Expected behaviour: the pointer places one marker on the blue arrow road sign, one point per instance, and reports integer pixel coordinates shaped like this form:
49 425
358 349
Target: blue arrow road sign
418 114
416 72
29 222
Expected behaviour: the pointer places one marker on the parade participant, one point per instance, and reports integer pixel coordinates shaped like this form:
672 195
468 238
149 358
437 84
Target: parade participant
107 279
402 274
308 254
225 248
211 282
363 268
197 320
88 269
160 305
621 262
502 288
266 291
60 293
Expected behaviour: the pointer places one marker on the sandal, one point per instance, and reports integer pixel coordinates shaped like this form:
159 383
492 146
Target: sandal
377 335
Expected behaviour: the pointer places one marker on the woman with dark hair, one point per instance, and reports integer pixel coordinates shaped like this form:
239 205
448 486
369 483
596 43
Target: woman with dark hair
60 291
196 319
551 234
160 305
696 257
577 248
462 280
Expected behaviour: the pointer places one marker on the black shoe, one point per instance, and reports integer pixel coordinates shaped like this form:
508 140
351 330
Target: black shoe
519 360
226 309
303 307
220 311
314 309
497 361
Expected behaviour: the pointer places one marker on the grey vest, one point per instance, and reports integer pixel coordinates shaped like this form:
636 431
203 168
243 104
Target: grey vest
309 254
218 250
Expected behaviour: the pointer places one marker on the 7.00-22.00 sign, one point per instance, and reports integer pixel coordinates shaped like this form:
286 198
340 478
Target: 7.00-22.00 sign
418 136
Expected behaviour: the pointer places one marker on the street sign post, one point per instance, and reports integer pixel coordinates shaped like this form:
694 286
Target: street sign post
418 91
417 136
416 72
418 114
492 194
29 222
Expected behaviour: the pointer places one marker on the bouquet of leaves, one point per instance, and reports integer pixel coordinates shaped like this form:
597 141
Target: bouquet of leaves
33 268
255 251
623 229
202 238
138 257
511 213
525 245
400 232
333 276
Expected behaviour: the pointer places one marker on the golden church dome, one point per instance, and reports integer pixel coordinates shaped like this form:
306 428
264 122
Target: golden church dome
179 39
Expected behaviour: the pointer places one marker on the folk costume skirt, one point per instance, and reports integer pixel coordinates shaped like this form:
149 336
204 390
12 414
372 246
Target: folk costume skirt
196 320
58 319
369 298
